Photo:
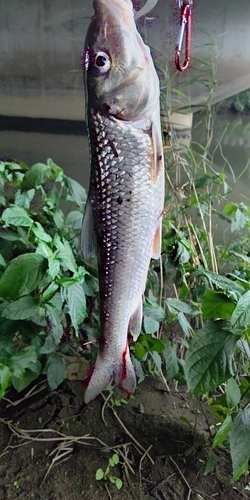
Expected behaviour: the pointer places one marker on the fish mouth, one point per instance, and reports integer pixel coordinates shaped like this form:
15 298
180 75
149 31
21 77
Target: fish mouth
120 10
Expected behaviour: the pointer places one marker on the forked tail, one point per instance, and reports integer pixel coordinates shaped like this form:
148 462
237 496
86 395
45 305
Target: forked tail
107 369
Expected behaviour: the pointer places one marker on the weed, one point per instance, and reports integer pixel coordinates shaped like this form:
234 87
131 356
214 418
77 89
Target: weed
106 475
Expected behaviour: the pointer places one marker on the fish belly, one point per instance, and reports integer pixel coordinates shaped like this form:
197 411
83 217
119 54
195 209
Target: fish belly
125 204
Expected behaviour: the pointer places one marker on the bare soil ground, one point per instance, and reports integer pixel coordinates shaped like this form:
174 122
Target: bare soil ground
51 445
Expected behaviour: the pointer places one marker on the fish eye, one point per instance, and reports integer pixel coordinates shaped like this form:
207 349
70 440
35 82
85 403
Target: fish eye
102 61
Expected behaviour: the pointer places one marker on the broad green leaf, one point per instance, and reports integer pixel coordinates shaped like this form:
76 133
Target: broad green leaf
154 311
22 276
99 474
223 431
240 441
239 221
16 216
150 325
56 371
171 361
39 232
216 305
74 220
118 483
21 383
139 350
184 323
5 376
55 319
115 458
36 175
233 394
44 250
23 308
223 283
157 360
208 360
76 301
65 254
241 314
181 306
3 263
58 217
23 199
54 267
76 191
22 360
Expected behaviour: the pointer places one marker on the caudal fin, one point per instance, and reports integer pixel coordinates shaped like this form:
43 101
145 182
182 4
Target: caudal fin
106 370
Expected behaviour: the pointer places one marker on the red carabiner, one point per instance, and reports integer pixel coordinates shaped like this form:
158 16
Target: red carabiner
185 26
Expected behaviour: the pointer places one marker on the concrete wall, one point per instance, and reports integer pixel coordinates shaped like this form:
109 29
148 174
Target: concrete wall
41 43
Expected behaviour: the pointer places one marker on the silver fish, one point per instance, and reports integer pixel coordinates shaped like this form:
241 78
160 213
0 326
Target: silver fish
122 222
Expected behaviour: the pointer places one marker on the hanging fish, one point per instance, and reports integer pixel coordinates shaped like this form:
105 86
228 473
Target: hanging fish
122 221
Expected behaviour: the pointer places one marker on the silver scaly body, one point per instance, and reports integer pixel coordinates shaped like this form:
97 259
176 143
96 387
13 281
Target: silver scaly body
122 223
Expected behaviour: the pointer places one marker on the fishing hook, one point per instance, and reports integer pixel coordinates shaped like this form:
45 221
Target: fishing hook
185 27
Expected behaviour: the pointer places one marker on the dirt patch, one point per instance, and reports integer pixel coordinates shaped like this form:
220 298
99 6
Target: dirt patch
165 454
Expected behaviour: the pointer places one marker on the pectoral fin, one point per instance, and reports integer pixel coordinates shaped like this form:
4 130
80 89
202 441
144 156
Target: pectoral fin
156 247
134 327
88 238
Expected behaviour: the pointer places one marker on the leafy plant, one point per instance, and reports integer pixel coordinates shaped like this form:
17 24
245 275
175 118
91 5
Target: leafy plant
106 475
44 284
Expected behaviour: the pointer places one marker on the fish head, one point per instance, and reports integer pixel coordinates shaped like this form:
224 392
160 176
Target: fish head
119 72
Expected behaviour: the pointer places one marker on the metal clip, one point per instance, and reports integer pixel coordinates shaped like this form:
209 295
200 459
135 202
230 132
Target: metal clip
185 27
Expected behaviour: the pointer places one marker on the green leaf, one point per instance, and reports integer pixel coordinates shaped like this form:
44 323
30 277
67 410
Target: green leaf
139 350
36 175
22 276
116 458
55 320
56 371
22 360
240 442
217 305
76 191
5 377
210 463
23 199
223 431
74 220
99 474
224 283
241 314
76 301
49 292
181 306
171 361
16 216
184 323
118 483
23 308
233 394
239 221
150 325
21 383
65 254
209 358
2 261
39 232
